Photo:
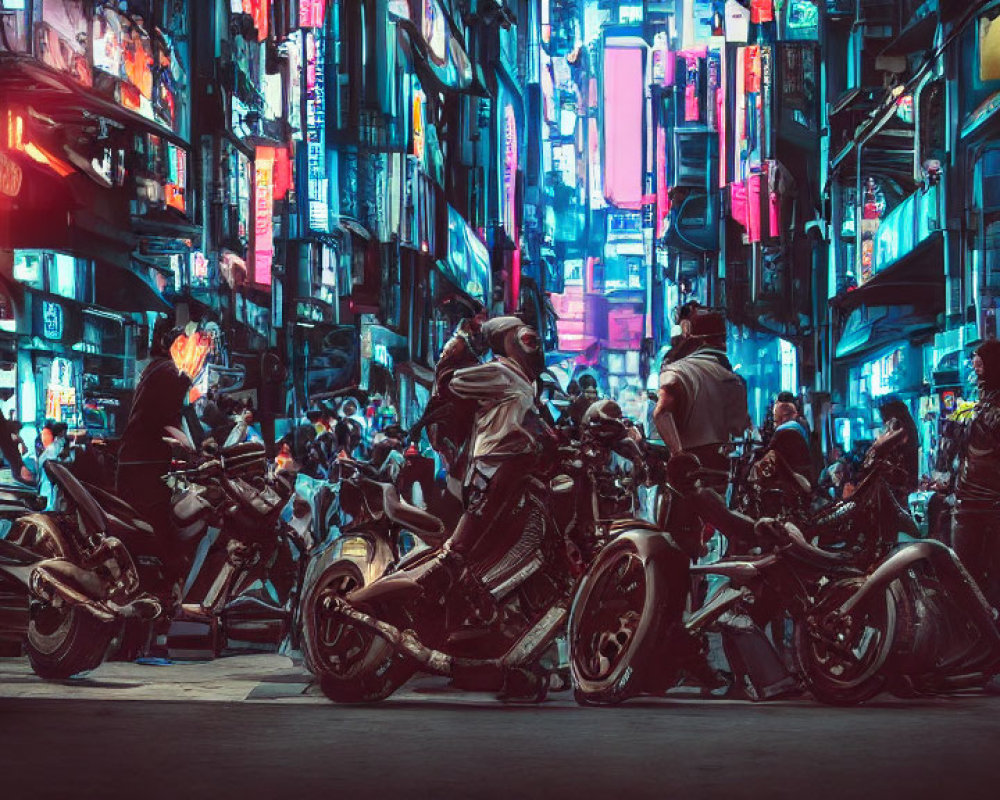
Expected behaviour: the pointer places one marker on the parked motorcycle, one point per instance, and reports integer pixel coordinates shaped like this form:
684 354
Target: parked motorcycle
111 577
366 643
776 574
363 538
946 634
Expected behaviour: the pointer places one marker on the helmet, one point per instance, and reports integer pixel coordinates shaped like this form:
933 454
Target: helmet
510 337
603 422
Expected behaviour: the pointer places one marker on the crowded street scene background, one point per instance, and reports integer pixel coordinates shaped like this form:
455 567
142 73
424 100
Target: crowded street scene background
406 254
325 189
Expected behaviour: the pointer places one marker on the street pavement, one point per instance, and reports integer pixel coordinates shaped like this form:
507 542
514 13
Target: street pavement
254 726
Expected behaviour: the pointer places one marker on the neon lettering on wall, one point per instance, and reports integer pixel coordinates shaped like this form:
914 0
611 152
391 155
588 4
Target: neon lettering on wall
317 181
510 172
263 215
419 142
311 13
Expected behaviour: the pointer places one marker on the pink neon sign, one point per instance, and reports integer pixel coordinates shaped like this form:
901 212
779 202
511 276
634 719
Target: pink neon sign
623 87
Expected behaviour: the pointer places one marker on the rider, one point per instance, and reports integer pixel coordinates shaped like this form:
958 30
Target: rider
507 439
702 402
976 526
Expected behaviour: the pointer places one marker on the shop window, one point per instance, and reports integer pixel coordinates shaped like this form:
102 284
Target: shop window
63 275
989 46
29 268
14 26
989 180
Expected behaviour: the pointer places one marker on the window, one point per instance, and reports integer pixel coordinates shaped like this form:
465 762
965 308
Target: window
989 46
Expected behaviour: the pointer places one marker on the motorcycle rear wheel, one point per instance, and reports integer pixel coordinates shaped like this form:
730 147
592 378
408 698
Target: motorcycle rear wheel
614 624
853 669
61 642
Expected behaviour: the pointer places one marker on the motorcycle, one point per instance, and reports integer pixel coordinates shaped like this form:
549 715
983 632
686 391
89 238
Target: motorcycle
366 643
946 633
364 524
110 578
777 574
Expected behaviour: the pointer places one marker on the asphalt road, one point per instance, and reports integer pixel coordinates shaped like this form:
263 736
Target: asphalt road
444 746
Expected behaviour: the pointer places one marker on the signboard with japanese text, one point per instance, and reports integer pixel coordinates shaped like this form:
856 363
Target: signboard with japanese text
317 179
263 244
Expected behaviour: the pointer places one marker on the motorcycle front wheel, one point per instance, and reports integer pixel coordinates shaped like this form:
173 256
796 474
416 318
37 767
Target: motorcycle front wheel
616 623
848 667
65 641
354 665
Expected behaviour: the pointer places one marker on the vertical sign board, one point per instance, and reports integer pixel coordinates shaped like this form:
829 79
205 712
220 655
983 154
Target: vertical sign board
263 213
623 109
317 181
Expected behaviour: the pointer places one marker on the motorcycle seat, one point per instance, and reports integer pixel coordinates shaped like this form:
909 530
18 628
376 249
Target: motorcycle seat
92 515
122 518
804 550
416 520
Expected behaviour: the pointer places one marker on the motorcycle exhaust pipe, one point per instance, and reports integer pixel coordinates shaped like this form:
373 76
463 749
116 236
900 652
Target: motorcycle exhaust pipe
406 642
471 674
54 590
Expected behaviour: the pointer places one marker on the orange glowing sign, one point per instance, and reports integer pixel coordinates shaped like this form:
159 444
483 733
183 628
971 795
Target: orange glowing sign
10 177
190 353
17 141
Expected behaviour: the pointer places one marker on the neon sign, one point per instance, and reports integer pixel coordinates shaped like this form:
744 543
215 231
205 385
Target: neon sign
263 214
311 13
510 172
10 177
317 182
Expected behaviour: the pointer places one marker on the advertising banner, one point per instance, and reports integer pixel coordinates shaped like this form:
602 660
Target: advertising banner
263 244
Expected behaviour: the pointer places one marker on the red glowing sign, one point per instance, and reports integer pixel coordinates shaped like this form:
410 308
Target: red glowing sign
510 172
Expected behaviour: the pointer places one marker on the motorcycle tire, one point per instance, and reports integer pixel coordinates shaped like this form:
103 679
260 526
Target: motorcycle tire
60 642
354 665
341 577
380 672
617 622
858 669
71 642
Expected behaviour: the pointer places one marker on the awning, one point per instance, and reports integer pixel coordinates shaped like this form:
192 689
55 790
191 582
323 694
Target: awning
29 80
985 113
332 364
916 279
421 374
871 327
121 287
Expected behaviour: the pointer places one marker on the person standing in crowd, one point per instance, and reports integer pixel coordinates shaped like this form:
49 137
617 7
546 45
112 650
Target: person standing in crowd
144 458
702 403
791 437
976 523
903 453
